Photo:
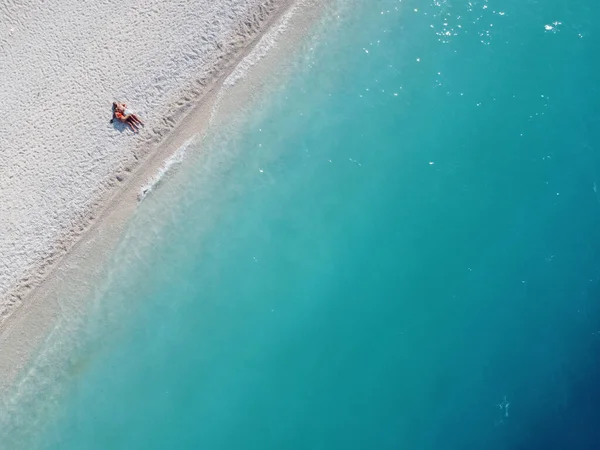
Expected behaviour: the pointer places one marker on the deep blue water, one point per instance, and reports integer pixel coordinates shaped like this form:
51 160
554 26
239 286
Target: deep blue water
398 249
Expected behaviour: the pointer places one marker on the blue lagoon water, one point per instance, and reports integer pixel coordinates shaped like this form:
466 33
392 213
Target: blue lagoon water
398 249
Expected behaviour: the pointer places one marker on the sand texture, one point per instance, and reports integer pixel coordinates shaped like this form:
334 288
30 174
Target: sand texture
62 63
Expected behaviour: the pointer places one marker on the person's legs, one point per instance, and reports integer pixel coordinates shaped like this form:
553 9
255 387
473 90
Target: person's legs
132 124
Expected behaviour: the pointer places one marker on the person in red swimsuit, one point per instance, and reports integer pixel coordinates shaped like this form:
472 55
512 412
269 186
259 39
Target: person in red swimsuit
120 112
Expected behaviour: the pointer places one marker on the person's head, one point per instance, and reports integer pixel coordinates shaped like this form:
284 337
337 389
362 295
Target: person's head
114 106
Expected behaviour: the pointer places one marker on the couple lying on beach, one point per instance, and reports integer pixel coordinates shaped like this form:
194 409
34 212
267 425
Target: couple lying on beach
120 112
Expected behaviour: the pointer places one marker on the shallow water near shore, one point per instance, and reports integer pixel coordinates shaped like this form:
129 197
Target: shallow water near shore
398 248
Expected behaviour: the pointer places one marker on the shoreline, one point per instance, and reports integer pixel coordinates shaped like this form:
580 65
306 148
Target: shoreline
71 275
130 152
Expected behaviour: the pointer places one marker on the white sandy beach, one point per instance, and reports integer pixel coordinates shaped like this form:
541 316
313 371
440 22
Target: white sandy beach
62 63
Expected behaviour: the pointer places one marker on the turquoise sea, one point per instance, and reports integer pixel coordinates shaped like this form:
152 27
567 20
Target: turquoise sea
397 248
